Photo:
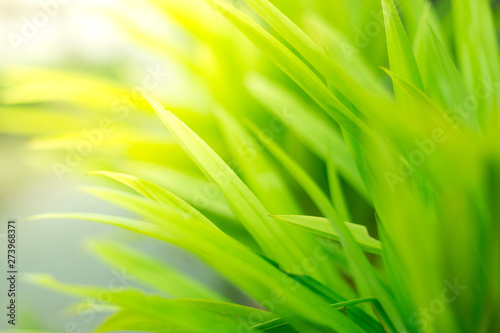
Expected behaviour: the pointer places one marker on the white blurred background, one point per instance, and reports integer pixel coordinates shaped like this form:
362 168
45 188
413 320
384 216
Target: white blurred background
71 34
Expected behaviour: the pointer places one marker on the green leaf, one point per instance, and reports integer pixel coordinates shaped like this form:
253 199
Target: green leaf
442 80
314 131
426 106
152 272
348 56
357 314
350 93
302 308
361 269
278 323
395 275
269 235
413 11
259 173
170 201
176 316
131 320
336 191
323 227
247 269
185 185
153 192
476 43
160 215
267 183
293 67
401 56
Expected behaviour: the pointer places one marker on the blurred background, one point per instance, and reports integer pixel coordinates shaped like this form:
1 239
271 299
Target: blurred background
53 53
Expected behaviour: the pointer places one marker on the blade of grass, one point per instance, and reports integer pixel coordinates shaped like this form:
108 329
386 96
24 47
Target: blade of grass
316 133
336 191
128 320
131 320
350 58
358 315
401 58
151 271
259 173
346 87
443 82
426 106
362 270
267 184
303 309
293 67
269 235
323 227
278 323
477 50
189 187
177 316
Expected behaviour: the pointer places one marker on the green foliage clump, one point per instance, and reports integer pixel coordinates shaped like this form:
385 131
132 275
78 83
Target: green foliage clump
311 122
